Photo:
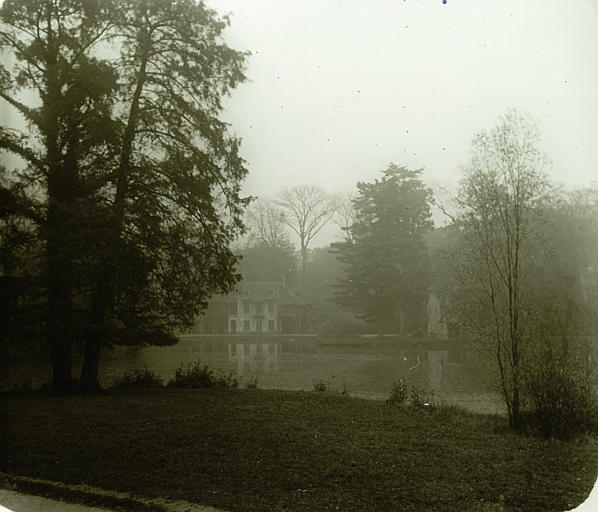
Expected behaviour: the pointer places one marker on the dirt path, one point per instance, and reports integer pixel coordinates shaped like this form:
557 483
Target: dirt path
13 501
17 502
21 502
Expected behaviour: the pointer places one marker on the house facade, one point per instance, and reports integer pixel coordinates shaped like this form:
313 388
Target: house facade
257 307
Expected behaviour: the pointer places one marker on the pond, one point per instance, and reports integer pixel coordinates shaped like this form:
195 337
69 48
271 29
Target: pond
363 368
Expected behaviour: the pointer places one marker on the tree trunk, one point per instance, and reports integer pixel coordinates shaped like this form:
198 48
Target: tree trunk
61 361
101 303
91 353
91 362
517 417
57 279
303 267
59 317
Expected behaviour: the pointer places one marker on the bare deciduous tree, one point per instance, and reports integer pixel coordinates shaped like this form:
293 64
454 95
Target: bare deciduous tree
266 222
500 196
345 215
307 209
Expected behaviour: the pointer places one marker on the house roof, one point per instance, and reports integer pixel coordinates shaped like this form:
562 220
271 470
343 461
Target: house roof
262 291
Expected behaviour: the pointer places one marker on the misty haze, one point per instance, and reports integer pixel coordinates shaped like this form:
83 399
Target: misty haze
335 255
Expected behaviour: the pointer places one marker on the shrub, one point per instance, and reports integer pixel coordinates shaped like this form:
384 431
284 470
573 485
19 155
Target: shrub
226 380
399 391
558 369
420 397
252 383
22 387
344 391
320 385
195 375
145 378
560 400
192 376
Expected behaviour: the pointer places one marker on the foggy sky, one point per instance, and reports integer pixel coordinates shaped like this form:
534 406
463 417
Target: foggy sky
341 88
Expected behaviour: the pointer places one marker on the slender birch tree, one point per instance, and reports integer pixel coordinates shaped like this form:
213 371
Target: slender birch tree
499 203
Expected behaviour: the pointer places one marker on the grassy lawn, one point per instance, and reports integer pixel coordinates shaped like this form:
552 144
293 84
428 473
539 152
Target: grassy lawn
245 450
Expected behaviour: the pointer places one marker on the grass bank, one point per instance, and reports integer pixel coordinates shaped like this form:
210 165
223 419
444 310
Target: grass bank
247 450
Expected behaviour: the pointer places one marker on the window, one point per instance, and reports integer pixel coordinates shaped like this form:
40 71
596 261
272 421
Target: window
246 325
258 325
259 308
271 308
245 307
233 308
271 325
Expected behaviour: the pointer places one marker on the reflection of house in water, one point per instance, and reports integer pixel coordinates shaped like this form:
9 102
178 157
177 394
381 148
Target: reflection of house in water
254 358
256 307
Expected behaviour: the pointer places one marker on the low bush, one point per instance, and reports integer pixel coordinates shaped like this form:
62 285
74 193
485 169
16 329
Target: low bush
420 397
399 392
145 378
557 375
558 379
22 387
560 401
320 385
194 375
226 380
252 383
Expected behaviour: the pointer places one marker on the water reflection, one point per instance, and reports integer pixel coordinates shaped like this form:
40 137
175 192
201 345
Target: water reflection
360 370
293 363
254 358
366 368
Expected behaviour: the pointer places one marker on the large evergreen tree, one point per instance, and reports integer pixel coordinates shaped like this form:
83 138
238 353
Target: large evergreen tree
63 95
132 178
385 259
